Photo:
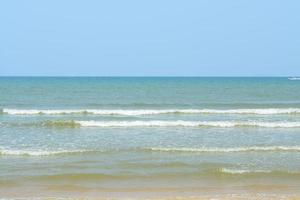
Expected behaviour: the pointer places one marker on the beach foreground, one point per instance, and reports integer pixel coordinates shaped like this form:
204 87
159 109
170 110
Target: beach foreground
221 187
147 195
154 193
149 138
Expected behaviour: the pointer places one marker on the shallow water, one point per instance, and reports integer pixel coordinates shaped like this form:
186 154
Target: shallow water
66 135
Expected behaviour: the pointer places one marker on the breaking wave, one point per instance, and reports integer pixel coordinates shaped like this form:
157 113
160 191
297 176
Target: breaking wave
40 152
258 172
265 111
158 123
242 171
180 123
226 150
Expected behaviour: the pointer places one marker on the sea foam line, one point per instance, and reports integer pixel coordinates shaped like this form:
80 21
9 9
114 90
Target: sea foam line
225 150
256 171
264 111
243 171
180 123
39 152
162 149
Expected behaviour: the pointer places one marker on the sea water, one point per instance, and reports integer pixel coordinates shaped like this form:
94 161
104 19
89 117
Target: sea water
62 136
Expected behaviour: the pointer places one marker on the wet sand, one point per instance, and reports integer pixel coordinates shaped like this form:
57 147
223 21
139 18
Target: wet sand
153 193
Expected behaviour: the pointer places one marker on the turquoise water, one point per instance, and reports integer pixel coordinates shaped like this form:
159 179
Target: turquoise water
129 133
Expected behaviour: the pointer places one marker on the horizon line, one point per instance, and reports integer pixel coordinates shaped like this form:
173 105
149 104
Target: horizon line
137 76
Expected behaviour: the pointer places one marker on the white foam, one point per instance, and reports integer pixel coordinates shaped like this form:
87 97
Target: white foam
265 111
227 150
38 152
243 171
136 123
294 78
157 123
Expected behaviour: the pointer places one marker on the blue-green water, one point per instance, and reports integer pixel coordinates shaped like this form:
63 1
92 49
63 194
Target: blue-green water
116 134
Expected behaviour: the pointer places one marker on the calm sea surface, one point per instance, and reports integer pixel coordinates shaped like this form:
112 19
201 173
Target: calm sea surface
129 134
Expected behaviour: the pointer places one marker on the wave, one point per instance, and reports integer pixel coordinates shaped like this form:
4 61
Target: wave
11 152
242 171
178 123
258 172
226 150
40 152
60 124
265 111
294 79
158 123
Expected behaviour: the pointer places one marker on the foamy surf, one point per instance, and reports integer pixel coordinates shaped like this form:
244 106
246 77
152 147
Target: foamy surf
39 152
225 150
265 111
158 123
259 172
294 79
180 123
243 171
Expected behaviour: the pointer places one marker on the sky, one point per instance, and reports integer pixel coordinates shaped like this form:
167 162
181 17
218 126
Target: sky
150 38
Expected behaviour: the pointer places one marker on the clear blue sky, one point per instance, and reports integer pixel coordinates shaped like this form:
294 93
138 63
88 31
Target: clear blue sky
150 38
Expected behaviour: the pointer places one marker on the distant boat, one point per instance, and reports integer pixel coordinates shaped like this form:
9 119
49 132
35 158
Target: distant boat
294 78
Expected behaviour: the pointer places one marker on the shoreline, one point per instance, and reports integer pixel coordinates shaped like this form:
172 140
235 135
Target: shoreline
72 192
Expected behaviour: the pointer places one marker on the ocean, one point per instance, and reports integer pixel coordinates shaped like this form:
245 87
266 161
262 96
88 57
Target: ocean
115 137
